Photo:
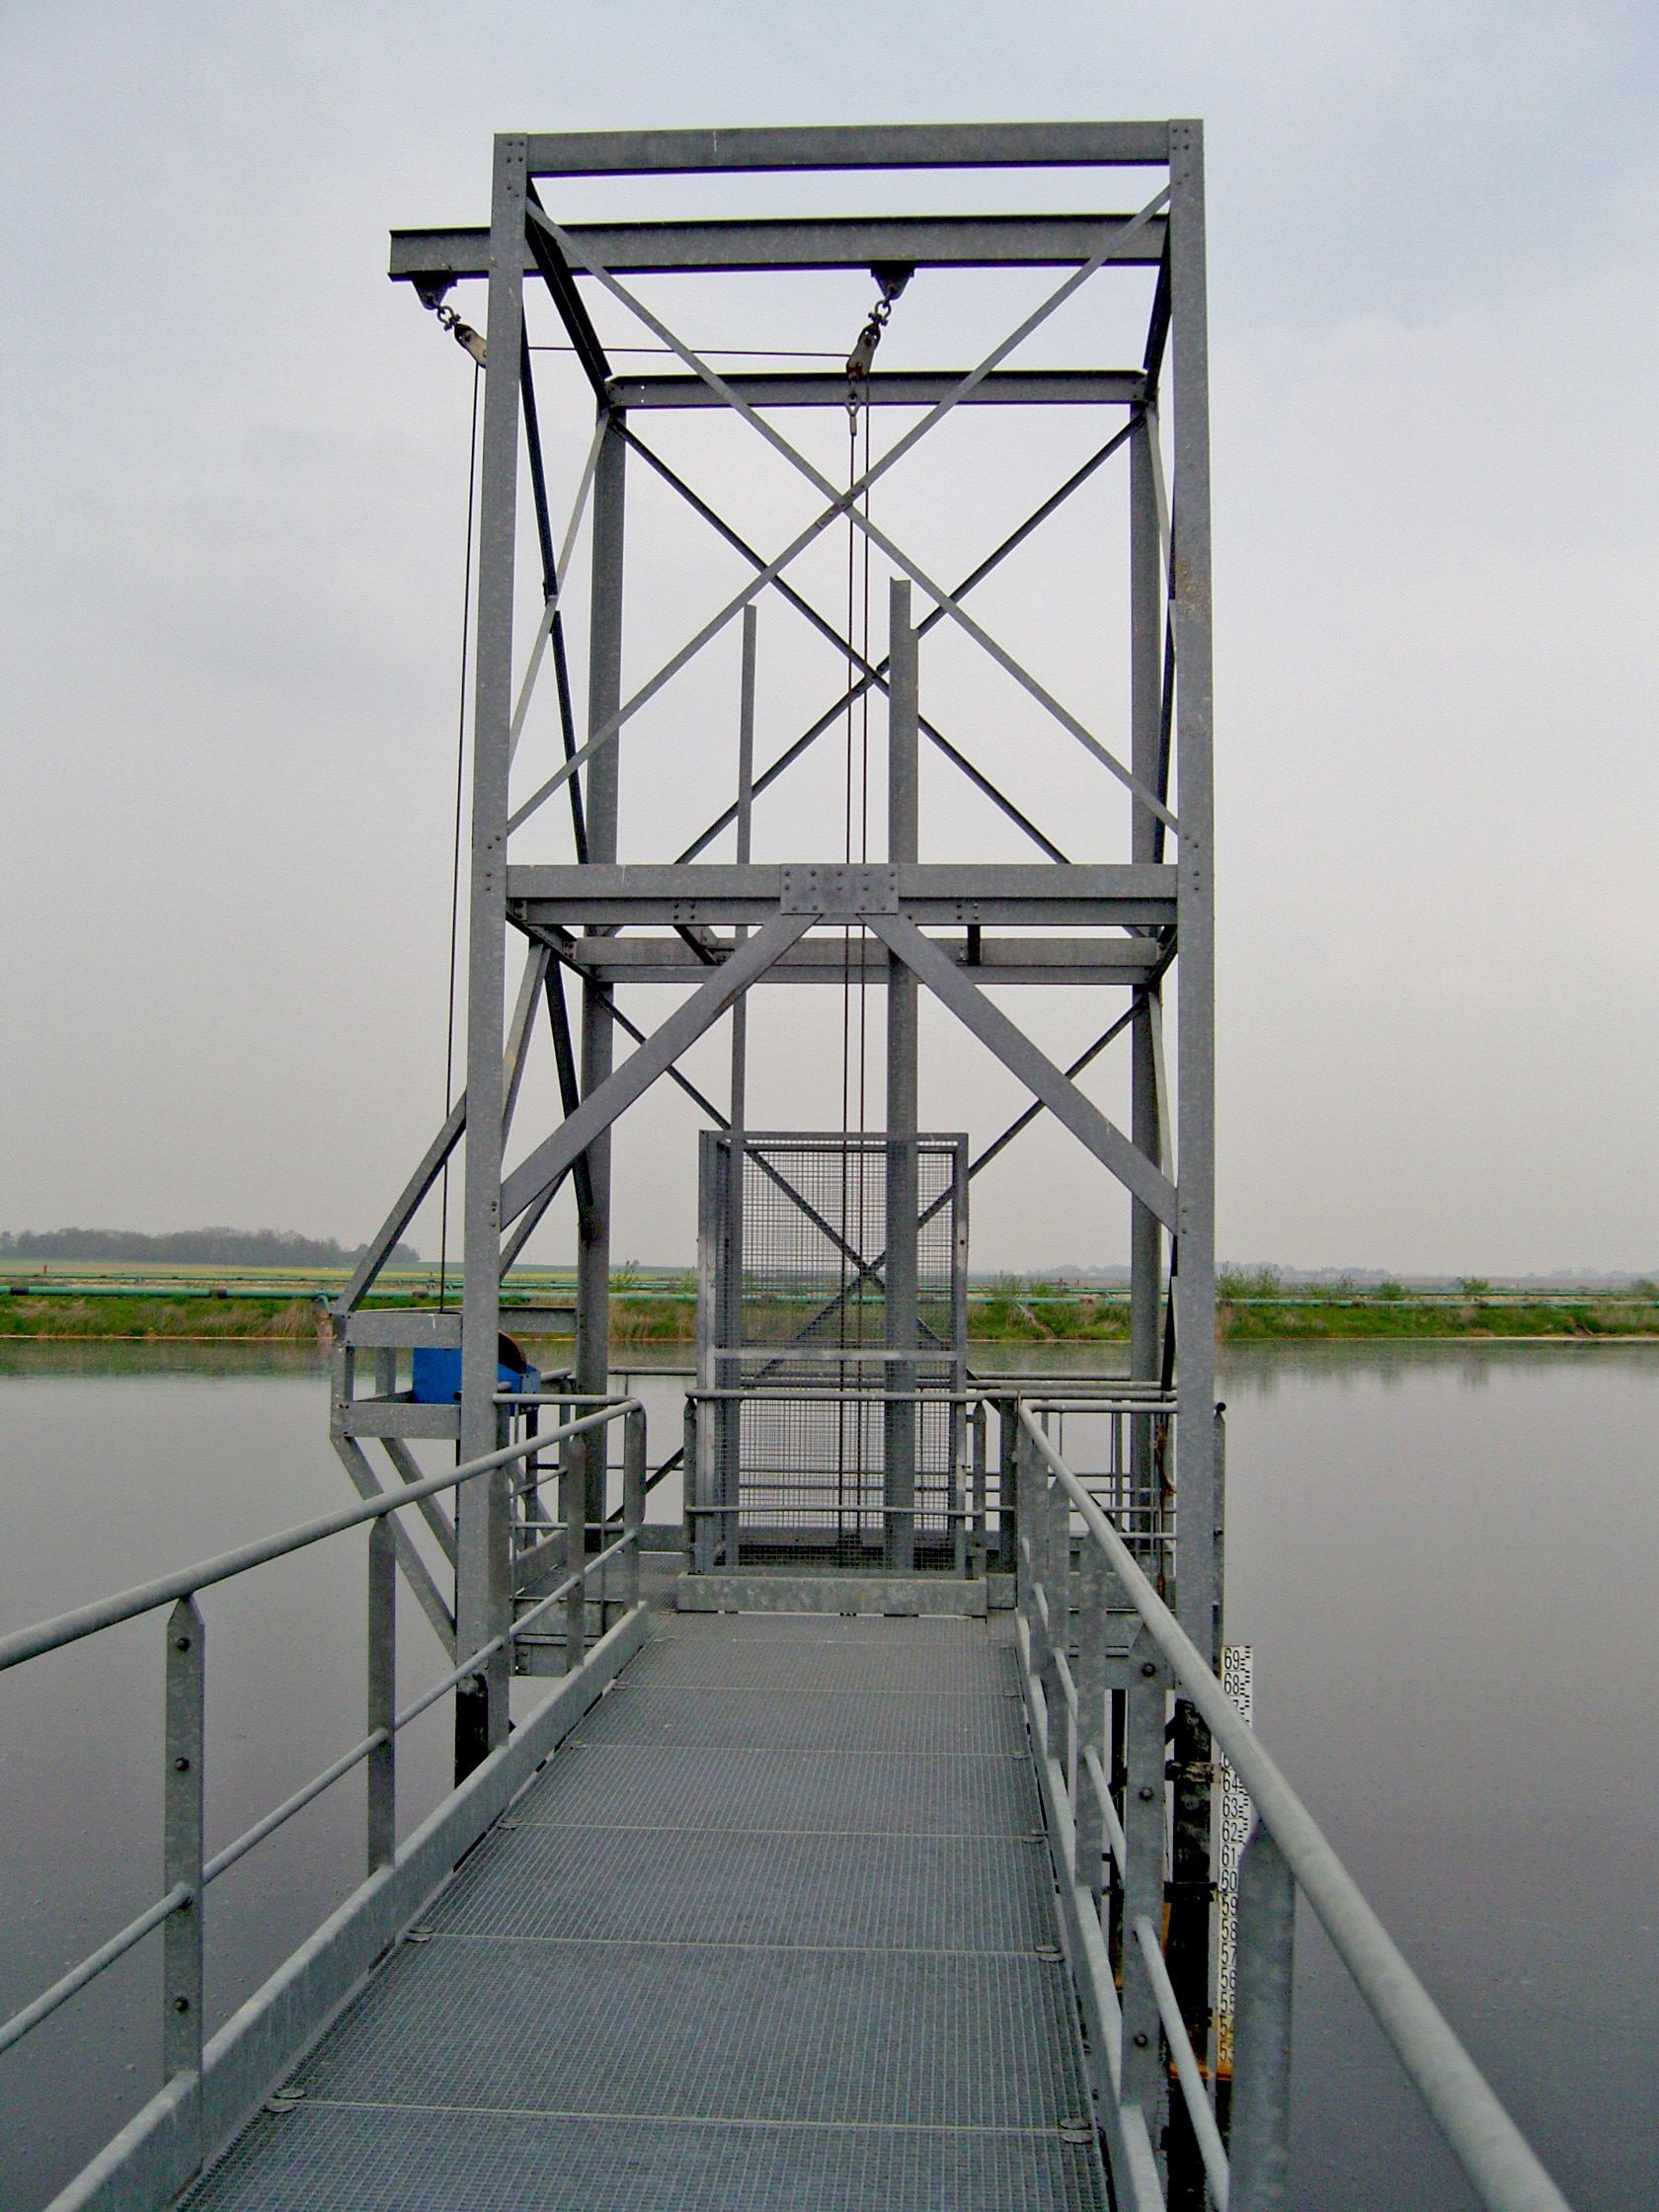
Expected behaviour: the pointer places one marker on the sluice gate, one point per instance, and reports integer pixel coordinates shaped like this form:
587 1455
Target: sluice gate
873 1832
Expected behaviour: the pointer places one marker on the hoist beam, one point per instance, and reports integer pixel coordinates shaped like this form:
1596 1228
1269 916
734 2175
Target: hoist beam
804 242
900 145
915 387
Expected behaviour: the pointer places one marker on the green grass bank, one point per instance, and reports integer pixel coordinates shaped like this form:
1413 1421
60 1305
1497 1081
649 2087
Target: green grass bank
1010 1309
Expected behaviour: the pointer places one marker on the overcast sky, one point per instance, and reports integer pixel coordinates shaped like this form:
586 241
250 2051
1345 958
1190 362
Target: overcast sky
234 497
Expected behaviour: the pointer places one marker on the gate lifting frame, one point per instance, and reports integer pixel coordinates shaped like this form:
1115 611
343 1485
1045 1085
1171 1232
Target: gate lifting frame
735 925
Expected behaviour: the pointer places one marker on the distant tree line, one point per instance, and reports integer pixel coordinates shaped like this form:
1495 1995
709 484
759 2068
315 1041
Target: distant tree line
191 1248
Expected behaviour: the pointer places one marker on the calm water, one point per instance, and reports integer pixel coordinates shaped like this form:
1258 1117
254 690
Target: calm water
1445 1562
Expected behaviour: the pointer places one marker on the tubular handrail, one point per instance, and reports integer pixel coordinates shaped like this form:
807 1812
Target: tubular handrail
145 1597
469 1665
1108 1811
1495 2157
77 1978
1204 2130
221 1862
142 1598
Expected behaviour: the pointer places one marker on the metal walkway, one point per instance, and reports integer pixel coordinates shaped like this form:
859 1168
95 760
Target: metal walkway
774 1927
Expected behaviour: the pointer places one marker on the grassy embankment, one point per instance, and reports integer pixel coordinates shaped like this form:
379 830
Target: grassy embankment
662 1309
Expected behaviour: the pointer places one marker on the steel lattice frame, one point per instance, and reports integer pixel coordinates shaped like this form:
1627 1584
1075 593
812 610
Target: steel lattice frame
735 925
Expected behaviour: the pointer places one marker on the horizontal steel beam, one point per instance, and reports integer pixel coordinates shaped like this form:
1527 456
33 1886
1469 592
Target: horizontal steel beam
1046 891
804 242
388 1329
907 145
830 960
916 387
396 1417
395 1328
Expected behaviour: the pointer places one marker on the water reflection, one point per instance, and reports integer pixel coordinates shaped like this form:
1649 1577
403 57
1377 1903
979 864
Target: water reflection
1444 1557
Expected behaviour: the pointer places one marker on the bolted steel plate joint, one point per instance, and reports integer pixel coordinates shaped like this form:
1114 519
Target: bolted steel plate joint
1149 1666
181 2003
181 1643
1146 1794
181 1766
1140 2039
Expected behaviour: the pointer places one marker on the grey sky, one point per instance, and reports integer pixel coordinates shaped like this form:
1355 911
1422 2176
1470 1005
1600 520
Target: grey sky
234 488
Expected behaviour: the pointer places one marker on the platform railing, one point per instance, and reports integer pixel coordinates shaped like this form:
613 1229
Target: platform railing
187 1873
1089 1618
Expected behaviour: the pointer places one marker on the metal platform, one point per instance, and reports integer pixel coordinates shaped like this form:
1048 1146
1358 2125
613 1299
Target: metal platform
774 1927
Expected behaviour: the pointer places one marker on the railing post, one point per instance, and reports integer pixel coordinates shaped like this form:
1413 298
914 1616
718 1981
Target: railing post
529 1493
633 1496
1259 2152
573 1508
1032 1551
382 1693
180 2035
1094 1580
981 1552
691 1496
1057 1586
576 1560
1145 2073
1028 1567
1008 1485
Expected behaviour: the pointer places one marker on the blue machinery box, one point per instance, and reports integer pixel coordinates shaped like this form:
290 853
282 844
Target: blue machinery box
438 1373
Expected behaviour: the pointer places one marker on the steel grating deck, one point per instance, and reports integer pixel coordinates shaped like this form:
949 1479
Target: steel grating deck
766 1931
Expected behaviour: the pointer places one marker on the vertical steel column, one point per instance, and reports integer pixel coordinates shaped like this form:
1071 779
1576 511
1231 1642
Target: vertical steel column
729 1413
1259 2149
604 696
1195 1333
1146 641
902 828
181 1972
958 1415
1198 1588
704 1421
382 1693
746 814
483 1599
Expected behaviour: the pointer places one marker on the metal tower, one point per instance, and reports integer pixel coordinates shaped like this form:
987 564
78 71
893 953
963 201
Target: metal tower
1136 920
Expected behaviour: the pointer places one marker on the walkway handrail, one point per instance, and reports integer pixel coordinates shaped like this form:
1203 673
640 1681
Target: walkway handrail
186 1864
1500 2165
144 1597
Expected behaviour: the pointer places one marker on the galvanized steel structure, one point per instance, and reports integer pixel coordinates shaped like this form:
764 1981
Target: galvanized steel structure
818 1886
1141 919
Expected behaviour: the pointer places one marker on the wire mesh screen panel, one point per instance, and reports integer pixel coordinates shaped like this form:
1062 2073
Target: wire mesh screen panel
795 1324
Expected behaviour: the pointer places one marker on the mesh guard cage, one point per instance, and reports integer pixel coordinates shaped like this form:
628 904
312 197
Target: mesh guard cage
793 1337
